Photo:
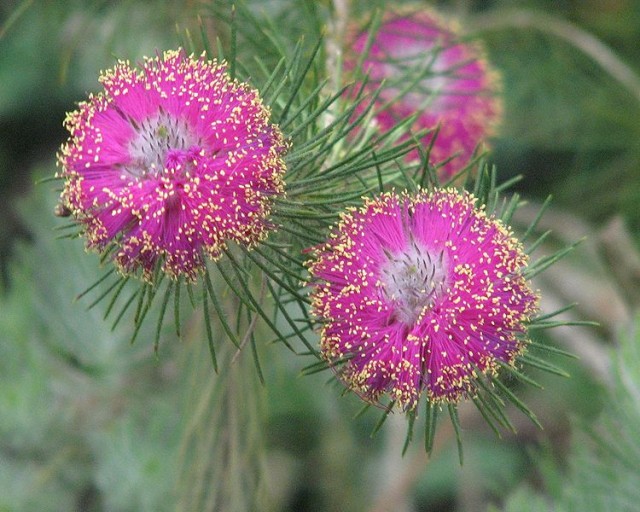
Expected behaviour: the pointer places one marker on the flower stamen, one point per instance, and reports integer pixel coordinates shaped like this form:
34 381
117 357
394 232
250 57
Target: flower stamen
412 281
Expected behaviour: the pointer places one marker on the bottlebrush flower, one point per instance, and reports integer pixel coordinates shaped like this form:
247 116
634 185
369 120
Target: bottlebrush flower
428 71
420 293
169 163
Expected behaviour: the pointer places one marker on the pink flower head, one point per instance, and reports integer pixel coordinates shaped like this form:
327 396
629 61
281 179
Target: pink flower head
428 71
169 163
420 293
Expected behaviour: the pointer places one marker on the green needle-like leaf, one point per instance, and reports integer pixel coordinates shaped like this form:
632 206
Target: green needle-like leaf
207 323
411 419
383 418
163 310
455 421
516 401
431 418
95 284
222 315
176 306
541 364
519 375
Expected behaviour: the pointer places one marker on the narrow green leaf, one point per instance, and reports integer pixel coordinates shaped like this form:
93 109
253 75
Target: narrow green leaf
562 323
303 214
532 248
431 417
361 411
292 324
516 401
383 418
544 263
552 349
66 226
141 317
494 405
252 300
287 73
186 39
256 359
140 305
507 184
117 282
233 49
222 315
311 97
455 421
541 364
220 50
489 418
315 114
163 310
297 278
373 26
271 76
334 130
493 195
176 306
510 209
106 276
537 218
519 375
317 367
411 418
124 309
300 79
46 179
204 37
232 286
428 176
115 296
207 323
557 312
192 299
104 256
301 235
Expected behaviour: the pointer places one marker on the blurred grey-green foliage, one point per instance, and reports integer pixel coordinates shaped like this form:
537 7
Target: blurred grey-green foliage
88 422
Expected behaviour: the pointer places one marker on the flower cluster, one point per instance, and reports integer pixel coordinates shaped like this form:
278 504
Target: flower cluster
420 292
169 163
427 71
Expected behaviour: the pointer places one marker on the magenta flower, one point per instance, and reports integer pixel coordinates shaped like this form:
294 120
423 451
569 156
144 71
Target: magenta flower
170 163
420 293
427 70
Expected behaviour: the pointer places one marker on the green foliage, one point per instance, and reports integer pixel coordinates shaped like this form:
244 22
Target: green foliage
84 416
572 100
604 461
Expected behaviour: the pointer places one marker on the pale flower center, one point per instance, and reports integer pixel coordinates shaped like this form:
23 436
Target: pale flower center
426 77
412 280
156 139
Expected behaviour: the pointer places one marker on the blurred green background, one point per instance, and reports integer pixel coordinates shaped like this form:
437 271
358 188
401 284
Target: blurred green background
90 423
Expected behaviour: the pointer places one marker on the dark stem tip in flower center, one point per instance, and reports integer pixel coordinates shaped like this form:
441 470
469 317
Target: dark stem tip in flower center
412 280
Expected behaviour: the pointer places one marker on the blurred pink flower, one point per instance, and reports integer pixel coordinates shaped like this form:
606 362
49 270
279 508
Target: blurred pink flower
428 71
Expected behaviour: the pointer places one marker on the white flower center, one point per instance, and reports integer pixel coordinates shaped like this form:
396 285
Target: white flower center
412 280
418 79
156 137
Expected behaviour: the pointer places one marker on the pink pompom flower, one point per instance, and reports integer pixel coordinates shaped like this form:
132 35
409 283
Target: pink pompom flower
169 163
427 70
420 293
